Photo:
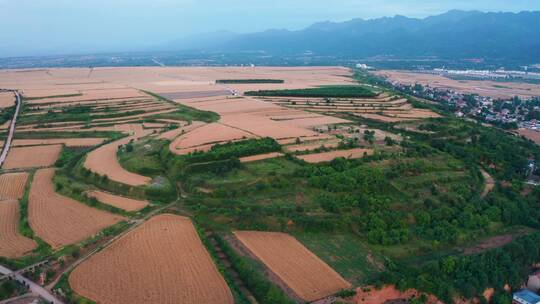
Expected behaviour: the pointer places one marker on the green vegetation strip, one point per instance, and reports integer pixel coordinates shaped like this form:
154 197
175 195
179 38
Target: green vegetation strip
322 92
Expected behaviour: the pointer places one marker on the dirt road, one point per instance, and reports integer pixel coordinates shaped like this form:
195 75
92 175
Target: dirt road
7 144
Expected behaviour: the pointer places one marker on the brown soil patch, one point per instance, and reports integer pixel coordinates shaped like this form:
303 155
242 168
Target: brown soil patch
14 245
209 134
388 294
121 202
493 242
7 99
31 157
103 160
59 220
329 156
258 157
301 270
530 134
489 183
69 142
12 185
161 261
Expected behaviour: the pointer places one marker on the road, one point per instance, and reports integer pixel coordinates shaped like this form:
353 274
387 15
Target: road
35 288
7 144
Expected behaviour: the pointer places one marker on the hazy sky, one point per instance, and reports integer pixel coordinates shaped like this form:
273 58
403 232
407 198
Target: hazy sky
37 27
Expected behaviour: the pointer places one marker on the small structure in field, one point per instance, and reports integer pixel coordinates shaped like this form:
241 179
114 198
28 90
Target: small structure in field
525 297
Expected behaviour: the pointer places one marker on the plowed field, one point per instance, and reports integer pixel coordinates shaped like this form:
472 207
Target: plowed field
13 245
329 156
30 157
121 202
161 261
301 270
60 220
12 185
103 161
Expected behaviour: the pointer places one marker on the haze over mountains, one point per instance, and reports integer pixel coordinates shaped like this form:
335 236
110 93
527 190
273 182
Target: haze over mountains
455 34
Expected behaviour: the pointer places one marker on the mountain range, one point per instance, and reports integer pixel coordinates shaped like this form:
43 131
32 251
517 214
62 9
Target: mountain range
452 35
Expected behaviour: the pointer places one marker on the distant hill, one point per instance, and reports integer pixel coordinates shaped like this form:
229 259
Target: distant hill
453 35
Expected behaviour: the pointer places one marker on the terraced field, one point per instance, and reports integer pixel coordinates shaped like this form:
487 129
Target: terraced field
14 245
59 220
302 271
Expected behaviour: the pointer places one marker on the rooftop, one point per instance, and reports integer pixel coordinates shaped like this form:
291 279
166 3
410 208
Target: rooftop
528 296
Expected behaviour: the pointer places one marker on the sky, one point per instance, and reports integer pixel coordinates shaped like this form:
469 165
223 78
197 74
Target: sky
46 27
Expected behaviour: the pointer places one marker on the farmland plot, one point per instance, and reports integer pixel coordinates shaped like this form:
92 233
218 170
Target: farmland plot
59 220
301 270
31 157
103 161
161 261
329 156
120 202
12 185
7 99
210 134
13 245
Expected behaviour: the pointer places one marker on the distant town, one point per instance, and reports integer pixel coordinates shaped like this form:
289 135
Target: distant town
506 113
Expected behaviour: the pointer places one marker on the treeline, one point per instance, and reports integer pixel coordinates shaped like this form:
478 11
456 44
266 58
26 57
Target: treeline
506 155
7 114
248 81
469 276
222 158
321 92
51 116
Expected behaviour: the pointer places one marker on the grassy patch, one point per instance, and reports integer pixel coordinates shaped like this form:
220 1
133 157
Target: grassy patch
65 289
346 254
64 134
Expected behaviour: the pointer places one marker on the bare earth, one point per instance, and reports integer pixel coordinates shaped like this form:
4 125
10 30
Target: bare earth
121 202
388 294
489 183
329 156
258 157
14 245
103 161
301 270
209 134
31 157
7 99
161 261
60 220
530 134
12 185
